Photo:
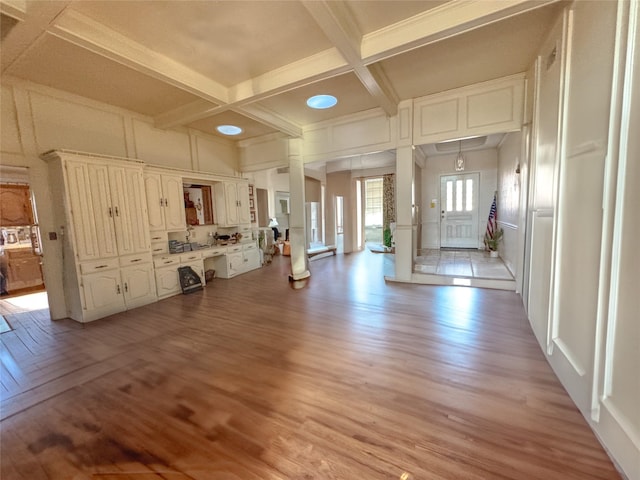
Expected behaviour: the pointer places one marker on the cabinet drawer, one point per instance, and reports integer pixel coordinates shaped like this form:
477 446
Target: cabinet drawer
135 259
190 257
159 237
99 266
166 260
237 248
213 252
158 248
249 246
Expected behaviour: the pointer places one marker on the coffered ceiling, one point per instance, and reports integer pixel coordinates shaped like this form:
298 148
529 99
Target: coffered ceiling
200 64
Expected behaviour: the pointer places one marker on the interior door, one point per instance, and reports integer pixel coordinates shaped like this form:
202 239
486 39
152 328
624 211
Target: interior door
459 213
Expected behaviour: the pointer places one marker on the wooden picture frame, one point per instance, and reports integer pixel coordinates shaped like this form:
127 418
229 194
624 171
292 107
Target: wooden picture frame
251 190
253 217
251 203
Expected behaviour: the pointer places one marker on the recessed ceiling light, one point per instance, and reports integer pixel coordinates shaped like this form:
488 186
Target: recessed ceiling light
229 129
322 101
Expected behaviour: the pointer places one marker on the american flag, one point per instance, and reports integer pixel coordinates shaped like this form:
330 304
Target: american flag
492 222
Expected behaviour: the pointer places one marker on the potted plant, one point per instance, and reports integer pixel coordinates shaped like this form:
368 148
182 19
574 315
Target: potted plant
492 242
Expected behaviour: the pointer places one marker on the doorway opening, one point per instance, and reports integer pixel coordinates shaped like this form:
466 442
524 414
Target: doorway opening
340 224
22 285
373 212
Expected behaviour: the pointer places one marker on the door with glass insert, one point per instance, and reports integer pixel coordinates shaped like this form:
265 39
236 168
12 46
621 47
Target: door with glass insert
459 210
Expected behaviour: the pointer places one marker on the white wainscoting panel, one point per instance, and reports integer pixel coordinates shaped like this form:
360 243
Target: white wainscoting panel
168 148
480 109
61 124
437 117
215 156
362 133
10 131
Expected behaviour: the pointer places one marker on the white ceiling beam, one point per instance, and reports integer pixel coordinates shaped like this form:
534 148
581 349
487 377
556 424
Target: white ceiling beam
447 20
322 65
337 23
14 8
270 118
187 113
33 19
81 30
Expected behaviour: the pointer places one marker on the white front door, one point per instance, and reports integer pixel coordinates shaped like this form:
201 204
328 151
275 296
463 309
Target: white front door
459 210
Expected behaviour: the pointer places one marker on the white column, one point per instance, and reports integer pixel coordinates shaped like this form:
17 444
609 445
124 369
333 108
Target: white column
404 193
297 237
404 229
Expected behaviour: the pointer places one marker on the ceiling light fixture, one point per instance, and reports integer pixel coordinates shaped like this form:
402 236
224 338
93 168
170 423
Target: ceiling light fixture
459 158
229 129
320 102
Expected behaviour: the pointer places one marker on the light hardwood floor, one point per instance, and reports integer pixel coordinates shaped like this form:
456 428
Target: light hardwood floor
347 378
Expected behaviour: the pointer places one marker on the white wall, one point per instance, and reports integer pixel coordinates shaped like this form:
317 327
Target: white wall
36 119
484 162
583 302
508 204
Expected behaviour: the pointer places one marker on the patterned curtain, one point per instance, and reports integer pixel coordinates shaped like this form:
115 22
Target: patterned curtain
388 200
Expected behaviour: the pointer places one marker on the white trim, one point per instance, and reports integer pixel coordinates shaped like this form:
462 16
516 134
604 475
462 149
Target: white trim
573 361
558 193
608 210
508 225
619 202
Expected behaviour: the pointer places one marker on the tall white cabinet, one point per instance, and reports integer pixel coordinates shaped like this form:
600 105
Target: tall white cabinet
100 201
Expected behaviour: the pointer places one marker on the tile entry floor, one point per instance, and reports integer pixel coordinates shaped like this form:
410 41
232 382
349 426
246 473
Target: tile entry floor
461 263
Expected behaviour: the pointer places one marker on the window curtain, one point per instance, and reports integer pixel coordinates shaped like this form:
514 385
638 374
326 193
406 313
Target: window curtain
388 206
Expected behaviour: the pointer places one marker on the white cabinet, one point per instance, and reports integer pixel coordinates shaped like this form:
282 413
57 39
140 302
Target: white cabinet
108 209
166 271
115 285
102 294
239 259
232 203
100 204
138 285
129 210
165 199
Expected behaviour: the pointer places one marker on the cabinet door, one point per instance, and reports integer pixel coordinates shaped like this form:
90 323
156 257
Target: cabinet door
139 285
155 201
244 215
15 205
174 215
167 281
251 260
102 291
89 203
236 264
231 203
129 209
103 211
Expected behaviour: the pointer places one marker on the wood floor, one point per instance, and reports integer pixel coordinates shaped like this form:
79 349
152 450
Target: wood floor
347 378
